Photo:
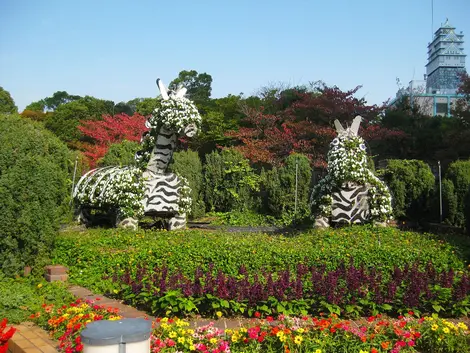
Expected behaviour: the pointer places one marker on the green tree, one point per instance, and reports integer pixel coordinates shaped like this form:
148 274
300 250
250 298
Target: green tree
198 85
458 174
120 154
411 184
63 123
38 106
188 165
34 192
280 189
230 182
146 106
59 98
7 104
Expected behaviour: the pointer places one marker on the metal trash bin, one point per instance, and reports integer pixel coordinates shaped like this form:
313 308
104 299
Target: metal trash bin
119 336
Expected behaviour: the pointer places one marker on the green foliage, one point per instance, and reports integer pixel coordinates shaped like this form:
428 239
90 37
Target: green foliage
22 297
63 123
69 112
38 106
7 104
146 106
459 174
188 164
92 254
243 219
34 190
280 187
120 154
411 183
198 85
230 182
449 202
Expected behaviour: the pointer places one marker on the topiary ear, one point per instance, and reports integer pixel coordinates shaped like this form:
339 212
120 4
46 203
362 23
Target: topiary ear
355 125
162 88
339 127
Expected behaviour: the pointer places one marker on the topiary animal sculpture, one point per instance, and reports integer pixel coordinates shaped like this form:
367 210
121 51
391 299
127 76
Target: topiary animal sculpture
350 192
126 194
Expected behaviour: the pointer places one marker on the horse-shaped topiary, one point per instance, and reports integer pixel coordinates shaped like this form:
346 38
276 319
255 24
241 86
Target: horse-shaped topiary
125 194
350 192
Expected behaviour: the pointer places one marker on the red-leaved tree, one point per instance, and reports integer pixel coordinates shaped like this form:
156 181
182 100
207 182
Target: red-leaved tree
305 125
112 129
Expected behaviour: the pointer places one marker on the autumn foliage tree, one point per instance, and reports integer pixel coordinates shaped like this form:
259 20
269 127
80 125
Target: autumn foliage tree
303 124
112 129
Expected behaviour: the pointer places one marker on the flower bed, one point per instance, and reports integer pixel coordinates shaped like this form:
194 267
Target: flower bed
283 334
347 290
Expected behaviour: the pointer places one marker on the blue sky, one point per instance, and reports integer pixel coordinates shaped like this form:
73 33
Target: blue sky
116 49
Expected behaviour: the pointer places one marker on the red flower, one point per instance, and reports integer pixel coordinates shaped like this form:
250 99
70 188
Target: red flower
257 314
373 350
79 347
270 319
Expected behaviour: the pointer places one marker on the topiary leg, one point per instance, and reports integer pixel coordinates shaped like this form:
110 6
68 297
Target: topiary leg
177 222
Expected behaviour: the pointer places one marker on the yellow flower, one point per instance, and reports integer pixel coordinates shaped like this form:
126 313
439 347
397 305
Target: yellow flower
280 334
213 340
300 330
181 339
462 326
219 314
243 329
318 351
446 330
165 319
39 285
434 327
172 334
192 347
189 331
229 331
298 339
363 351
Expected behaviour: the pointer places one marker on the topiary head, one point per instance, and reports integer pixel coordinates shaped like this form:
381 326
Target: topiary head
175 112
347 158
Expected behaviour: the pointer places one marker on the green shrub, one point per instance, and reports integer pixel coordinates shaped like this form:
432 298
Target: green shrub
34 192
188 164
92 254
22 297
411 184
280 188
120 154
449 202
230 182
459 174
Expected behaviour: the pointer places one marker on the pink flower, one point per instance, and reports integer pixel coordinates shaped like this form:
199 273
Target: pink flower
411 343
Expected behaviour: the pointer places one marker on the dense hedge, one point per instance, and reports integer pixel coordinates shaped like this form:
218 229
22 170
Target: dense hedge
458 174
230 182
34 190
279 185
188 164
120 154
411 184
92 254
185 270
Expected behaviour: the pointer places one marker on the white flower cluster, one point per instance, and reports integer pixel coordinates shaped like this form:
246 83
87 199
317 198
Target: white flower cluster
347 161
114 187
176 113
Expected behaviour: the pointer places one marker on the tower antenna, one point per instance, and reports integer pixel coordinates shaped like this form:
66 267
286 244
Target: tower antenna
432 18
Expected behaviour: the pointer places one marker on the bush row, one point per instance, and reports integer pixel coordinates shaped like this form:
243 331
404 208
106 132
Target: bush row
93 254
34 192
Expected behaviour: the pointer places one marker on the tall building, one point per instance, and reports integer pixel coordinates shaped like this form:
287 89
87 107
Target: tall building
446 61
436 94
